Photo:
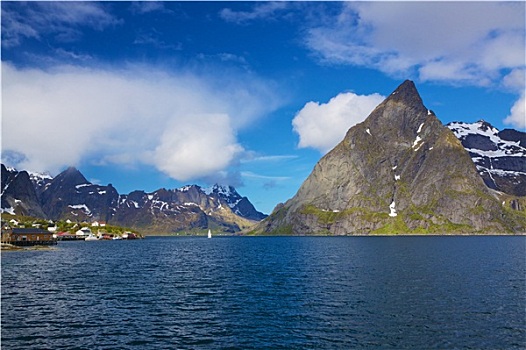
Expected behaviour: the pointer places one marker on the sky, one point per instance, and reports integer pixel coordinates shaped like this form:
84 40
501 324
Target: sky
149 95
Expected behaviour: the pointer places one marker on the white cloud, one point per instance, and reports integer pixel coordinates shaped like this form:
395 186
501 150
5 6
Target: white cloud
196 146
517 116
322 126
468 42
515 80
178 121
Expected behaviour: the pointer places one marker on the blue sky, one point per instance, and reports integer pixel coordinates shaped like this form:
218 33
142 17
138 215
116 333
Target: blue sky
146 95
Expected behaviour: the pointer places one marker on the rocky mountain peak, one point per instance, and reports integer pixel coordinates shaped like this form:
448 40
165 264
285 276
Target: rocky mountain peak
239 205
399 171
406 93
485 126
401 117
71 177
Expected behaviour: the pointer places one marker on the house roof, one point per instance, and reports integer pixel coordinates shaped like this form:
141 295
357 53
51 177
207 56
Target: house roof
26 231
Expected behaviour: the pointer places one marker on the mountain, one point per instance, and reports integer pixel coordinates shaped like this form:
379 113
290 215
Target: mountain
18 193
500 156
239 205
399 171
70 196
184 209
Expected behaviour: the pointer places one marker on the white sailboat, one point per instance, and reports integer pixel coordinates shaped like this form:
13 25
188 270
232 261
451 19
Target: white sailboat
209 234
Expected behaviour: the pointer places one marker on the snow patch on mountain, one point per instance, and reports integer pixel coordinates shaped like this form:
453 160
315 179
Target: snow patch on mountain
36 176
82 207
392 209
8 210
226 193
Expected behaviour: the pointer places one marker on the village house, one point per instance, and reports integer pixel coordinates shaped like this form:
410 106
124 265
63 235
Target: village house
28 237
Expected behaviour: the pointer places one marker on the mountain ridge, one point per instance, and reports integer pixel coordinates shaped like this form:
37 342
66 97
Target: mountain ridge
70 196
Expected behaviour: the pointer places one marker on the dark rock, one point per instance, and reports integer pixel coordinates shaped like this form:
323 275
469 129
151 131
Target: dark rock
18 194
513 135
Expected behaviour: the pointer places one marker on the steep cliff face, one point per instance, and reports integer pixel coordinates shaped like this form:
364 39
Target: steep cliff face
399 171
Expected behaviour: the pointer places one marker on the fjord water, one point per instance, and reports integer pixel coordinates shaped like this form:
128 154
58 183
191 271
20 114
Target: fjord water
268 293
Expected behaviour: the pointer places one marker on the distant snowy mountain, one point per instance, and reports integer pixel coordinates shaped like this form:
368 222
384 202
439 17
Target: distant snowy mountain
70 196
239 205
500 156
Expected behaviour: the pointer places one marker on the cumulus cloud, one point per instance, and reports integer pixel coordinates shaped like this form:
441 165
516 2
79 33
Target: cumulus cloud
322 126
196 146
517 116
177 121
515 81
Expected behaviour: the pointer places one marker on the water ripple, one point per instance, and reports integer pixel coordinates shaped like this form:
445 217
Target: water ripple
268 293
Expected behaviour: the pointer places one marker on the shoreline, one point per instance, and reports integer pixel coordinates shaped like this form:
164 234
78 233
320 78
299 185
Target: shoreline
351 235
6 247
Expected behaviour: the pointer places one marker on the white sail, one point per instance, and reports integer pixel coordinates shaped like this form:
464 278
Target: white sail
209 234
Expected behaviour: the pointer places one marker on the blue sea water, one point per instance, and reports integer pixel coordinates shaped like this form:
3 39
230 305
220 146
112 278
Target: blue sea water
268 293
